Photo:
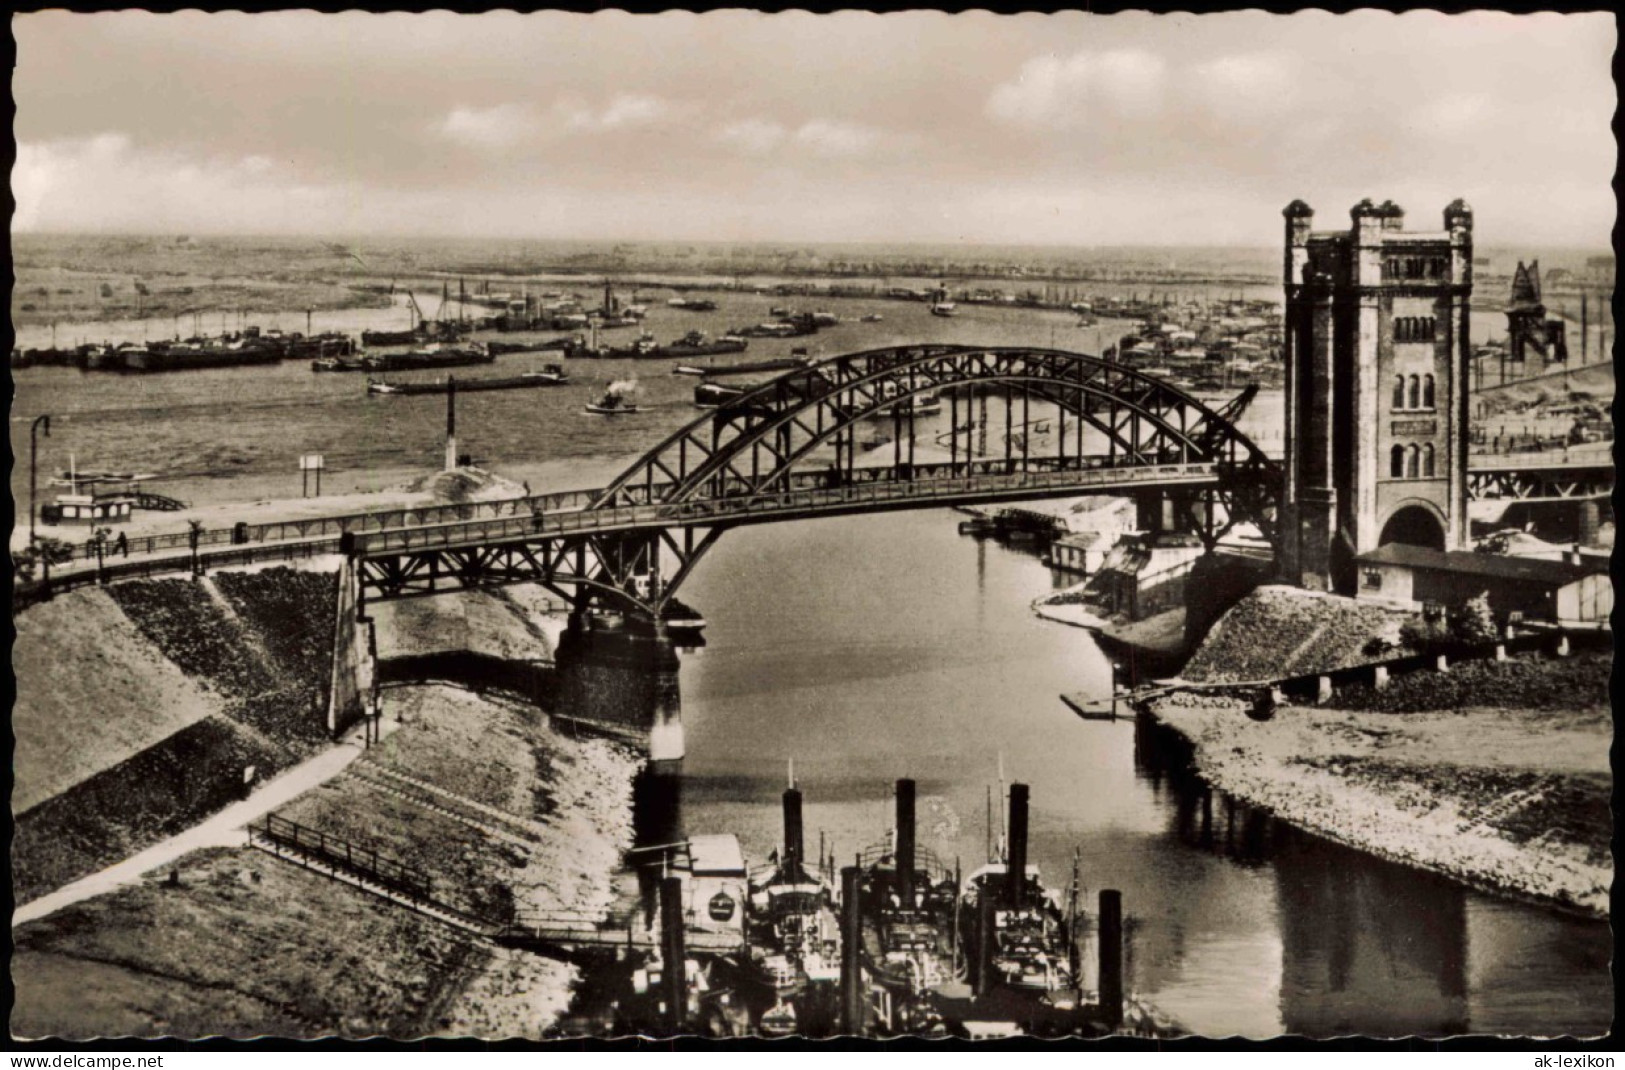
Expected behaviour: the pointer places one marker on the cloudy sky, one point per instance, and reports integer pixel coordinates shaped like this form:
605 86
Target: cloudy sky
1054 129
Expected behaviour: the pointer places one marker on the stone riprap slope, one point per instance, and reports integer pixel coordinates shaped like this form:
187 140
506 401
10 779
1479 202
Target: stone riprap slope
142 705
232 656
1279 632
156 793
291 612
1507 800
92 692
498 623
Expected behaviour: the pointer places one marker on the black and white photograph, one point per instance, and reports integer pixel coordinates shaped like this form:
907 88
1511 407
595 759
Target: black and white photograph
570 525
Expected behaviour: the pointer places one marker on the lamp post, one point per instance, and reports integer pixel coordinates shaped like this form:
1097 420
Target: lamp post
33 450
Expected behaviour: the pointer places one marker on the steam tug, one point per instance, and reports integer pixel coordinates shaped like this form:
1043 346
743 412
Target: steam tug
1021 946
906 900
792 970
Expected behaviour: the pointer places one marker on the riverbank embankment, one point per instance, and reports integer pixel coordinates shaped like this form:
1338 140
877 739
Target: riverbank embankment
476 791
1494 773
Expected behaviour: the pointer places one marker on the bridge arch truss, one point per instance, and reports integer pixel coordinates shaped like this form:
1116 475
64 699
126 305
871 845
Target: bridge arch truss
766 456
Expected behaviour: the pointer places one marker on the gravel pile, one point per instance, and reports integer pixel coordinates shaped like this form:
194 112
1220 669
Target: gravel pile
1279 632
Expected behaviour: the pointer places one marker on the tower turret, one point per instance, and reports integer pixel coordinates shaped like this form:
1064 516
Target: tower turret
1376 347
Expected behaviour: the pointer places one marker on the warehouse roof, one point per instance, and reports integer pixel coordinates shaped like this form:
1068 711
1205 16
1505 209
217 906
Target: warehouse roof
1500 566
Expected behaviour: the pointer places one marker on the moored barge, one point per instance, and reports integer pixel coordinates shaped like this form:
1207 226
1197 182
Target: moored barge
550 375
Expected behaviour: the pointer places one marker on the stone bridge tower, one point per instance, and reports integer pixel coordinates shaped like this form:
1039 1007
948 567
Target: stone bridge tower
1377 345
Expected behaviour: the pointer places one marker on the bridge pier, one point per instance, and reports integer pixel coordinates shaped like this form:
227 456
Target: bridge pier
1587 523
619 672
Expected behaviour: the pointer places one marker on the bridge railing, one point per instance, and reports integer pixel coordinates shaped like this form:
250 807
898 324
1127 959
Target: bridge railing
523 507
332 526
111 570
835 494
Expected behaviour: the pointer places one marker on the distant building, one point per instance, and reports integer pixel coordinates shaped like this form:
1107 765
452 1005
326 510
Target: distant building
1600 269
1080 551
1574 589
1529 332
1145 574
1376 349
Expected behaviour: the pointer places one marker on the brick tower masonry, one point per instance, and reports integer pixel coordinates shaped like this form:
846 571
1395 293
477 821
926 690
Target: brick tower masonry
1377 351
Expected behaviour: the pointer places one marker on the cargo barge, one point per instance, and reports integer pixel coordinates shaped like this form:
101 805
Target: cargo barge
691 345
249 347
782 364
431 357
498 349
551 375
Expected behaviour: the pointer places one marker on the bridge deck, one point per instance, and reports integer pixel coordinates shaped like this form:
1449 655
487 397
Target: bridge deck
746 507
1533 477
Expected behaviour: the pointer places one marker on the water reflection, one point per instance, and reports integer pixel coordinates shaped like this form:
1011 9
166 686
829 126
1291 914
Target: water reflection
1357 930
1352 936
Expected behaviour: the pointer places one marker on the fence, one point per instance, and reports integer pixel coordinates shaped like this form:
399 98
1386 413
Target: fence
886 488
364 861
27 594
333 526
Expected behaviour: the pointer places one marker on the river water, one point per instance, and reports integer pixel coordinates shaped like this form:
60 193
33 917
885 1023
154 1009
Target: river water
872 648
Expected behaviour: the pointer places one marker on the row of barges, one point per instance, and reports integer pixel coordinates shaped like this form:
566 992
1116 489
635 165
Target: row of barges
250 346
897 944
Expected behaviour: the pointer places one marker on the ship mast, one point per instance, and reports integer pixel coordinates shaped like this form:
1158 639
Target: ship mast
1004 815
1072 919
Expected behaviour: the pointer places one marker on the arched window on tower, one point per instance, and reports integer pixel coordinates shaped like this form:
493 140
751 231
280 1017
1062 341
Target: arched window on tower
1411 456
1399 391
1416 393
1396 462
1427 391
1401 329
1427 461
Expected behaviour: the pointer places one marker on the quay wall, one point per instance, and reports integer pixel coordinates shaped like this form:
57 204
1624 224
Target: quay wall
354 649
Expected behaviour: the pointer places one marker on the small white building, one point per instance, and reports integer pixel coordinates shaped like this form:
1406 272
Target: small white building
714 884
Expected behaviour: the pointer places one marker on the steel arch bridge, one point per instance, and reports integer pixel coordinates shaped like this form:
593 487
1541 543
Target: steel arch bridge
766 456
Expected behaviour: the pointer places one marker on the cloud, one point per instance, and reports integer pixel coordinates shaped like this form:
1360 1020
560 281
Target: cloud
1250 83
499 127
109 182
753 137
824 138
626 110
1453 113
1053 92
828 137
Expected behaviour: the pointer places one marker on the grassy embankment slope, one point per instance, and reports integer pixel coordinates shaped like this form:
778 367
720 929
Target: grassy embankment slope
1493 773
501 812
140 705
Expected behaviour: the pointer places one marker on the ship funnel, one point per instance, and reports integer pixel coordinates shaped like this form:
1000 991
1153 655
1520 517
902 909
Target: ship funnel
1015 871
905 843
792 833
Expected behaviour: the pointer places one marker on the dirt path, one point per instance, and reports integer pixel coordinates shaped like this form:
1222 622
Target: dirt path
224 829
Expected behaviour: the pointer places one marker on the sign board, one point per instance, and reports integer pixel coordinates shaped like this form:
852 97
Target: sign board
311 462
1416 427
721 907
